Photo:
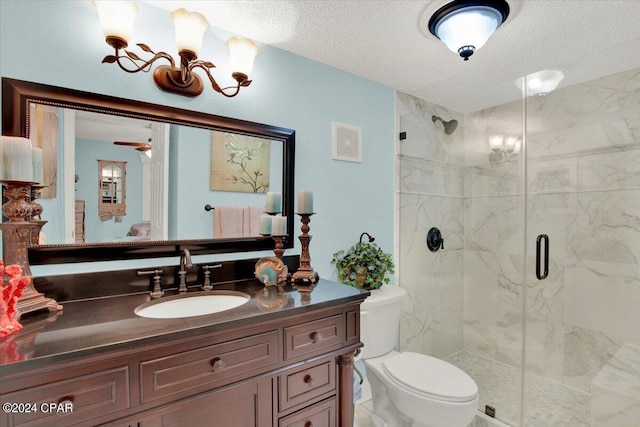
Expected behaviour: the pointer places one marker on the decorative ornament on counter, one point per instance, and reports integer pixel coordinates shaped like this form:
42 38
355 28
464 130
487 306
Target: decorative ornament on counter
10 293
271 271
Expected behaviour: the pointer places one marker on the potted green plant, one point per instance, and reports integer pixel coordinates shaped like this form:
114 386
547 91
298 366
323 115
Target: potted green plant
363 265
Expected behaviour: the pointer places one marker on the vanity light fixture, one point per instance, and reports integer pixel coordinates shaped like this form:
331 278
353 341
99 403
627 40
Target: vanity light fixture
466 25
116 19
504 148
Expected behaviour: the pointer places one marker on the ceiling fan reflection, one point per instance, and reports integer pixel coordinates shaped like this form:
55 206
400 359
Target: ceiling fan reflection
140 146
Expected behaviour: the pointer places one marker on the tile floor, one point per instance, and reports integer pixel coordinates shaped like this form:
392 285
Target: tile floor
549 404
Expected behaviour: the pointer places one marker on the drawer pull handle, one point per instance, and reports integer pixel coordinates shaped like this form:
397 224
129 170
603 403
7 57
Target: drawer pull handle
308 379
316 337
308 424
218 365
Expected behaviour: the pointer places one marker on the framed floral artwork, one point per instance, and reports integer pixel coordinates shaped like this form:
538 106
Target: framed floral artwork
239 163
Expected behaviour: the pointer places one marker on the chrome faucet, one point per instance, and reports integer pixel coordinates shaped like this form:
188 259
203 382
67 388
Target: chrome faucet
185 262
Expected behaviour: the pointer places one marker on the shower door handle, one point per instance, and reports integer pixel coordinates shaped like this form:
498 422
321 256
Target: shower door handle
539 275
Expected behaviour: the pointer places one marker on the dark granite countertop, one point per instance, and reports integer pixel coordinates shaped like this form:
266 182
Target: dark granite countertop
92 326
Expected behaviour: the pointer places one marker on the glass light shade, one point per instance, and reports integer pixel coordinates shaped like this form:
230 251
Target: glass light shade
470 26
190 28
496 142
242 53
116 17
510 143
543 82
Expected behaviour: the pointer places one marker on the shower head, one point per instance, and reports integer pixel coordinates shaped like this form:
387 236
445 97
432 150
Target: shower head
449 127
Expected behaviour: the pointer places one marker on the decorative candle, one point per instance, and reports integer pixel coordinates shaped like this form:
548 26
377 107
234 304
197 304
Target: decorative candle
36 161
279 226
16 159
273 202
265 224
305 202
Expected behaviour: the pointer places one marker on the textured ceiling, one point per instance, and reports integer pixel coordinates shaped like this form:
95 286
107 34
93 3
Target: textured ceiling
385 41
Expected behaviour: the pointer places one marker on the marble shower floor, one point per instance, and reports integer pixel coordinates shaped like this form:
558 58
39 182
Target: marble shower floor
548 403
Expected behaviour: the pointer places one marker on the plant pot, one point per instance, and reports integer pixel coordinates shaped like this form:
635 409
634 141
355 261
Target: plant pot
360 278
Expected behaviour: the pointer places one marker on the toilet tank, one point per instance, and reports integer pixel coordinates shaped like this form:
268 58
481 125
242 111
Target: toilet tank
380 321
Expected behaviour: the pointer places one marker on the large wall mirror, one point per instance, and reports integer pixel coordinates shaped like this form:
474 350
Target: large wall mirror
193 180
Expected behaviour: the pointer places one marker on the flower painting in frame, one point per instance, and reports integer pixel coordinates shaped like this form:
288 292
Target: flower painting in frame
239 163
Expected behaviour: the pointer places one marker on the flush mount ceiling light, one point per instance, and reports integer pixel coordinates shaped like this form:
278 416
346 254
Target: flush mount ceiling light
541 83
466 25
116 19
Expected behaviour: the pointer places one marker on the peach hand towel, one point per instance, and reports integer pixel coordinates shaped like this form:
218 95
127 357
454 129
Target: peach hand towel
227 221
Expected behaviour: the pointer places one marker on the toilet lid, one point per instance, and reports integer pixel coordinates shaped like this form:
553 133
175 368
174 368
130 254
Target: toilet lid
430 377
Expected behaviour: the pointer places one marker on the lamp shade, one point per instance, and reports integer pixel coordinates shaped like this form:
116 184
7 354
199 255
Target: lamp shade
190 28
242 53
116 18
466 25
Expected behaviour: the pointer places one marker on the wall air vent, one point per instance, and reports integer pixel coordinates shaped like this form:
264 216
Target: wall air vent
347 142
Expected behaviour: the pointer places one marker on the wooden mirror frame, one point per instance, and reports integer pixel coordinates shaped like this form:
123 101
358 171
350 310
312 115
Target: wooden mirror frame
16 96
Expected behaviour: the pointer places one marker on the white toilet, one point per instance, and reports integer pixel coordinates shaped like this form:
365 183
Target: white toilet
409 389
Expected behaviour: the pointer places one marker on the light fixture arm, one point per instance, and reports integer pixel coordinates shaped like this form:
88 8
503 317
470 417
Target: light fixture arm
183 80
241 78
139 63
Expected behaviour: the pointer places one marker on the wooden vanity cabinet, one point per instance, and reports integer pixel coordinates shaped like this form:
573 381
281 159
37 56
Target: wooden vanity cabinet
290 371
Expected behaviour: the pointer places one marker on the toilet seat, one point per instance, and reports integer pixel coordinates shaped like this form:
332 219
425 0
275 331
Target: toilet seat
430 377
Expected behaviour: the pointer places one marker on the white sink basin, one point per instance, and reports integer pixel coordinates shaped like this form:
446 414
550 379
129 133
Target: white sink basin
196 304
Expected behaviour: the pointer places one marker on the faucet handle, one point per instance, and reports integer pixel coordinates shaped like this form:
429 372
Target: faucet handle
207 280
157 278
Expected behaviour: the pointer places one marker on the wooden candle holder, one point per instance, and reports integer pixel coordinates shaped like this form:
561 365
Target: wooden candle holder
305 278
16 235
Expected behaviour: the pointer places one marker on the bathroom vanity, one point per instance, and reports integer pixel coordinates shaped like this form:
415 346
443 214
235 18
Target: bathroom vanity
277 360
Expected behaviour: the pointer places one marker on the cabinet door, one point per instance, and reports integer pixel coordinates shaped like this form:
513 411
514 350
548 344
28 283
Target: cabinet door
244 405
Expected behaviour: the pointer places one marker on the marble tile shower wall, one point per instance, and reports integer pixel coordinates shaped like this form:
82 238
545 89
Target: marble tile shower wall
431 194
583 191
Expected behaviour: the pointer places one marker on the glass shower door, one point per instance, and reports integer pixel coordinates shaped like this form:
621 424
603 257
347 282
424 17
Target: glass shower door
582 346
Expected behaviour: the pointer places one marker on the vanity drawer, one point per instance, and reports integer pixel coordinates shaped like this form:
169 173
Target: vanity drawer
207 365
312 337
303 384
322 414
91 395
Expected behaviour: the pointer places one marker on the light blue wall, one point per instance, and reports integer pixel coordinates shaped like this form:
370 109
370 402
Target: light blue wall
87 155
60 43
189 166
